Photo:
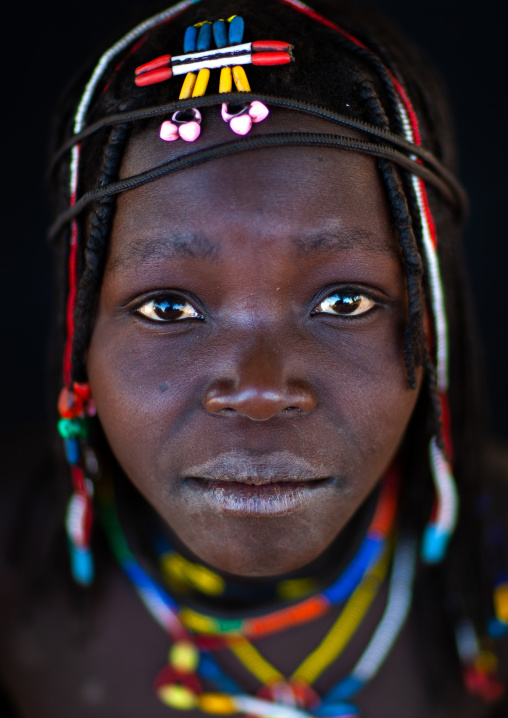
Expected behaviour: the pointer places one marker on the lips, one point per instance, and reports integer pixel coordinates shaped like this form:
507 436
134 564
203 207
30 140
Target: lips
266 485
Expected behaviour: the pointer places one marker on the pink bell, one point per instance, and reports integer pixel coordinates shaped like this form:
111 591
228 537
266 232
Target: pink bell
241 124
258 111
168 131
190 131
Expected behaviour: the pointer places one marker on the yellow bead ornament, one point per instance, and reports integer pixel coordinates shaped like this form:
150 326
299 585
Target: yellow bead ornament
178 697
217 703
184 656
226 80
486 662
295 588
197 622
501 602
240 78
201 83
188 86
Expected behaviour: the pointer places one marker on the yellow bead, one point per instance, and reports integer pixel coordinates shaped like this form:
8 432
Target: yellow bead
184 656
205 580
201 83
188 86
178 697
501 602
240 78
226 80
486 662
295 588
217 703
197 622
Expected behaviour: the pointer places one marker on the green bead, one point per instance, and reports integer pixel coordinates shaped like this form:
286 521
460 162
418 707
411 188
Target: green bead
73 428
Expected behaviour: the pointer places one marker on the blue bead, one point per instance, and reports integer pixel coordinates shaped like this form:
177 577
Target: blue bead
72 451
336 710
205 37
220 33
236 28
82 565
351 577
190 39
434 544
344 690
496 628
208 668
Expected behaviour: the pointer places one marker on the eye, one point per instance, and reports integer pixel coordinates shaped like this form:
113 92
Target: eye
345 303
168 308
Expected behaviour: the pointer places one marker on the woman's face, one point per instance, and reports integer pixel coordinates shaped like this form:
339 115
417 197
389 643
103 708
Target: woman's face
247 353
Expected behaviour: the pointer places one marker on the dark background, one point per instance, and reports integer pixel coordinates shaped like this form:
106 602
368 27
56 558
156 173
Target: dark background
46 44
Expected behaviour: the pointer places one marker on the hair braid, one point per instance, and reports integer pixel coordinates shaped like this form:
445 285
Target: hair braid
99 228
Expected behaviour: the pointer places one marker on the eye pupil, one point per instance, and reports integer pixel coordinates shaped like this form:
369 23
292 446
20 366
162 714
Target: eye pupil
344 304
167 309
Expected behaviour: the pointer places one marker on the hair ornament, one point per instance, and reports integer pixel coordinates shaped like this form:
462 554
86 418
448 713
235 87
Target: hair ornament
75 406
196 63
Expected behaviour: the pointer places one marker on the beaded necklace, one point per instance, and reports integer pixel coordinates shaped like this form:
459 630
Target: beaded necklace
190 661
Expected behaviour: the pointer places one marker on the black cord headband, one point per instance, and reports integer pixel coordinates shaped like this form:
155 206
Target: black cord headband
282 139
435 173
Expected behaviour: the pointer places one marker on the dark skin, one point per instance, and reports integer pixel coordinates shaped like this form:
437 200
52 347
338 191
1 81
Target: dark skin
246 358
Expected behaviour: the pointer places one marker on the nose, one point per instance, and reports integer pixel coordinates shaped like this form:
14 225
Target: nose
259 388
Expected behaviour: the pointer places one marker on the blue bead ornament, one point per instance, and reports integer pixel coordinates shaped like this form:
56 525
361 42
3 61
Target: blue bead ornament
496 628
220 33
369 551
72 451
205 37
82 565
336 710
236 28
434 544
190 39
141 579
344 690
210 670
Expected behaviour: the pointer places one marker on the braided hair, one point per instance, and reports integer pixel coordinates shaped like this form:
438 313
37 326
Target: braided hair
352 73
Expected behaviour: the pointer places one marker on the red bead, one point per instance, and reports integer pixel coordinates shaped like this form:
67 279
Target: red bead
169 676
82 390
482 685
70 405
271 58
270 46
151 78
162 61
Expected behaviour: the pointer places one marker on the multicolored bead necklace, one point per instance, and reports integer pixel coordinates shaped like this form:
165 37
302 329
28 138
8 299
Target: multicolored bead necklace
179 684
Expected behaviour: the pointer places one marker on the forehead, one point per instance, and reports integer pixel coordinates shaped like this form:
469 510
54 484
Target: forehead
308 199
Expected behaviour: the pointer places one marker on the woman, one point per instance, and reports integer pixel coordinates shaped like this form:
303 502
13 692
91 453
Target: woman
268 383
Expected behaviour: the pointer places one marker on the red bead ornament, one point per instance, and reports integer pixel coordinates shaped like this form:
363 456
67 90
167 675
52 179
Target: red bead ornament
159 62
481 684
76 402
170 676
271 58
151 78
270 46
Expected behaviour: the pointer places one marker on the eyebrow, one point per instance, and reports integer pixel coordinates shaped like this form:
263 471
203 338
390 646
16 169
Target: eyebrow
336 241
199 246
176 246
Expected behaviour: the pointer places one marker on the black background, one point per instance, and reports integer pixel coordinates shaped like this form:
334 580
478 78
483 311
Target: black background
46 44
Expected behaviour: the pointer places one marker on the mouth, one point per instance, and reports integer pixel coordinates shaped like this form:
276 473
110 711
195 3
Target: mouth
270 485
